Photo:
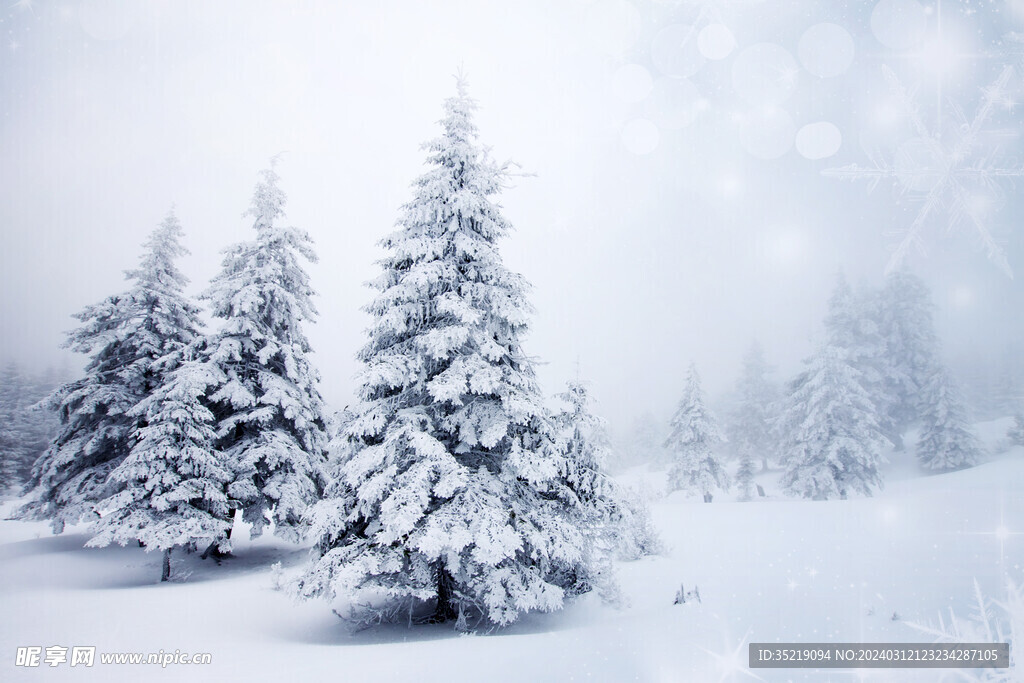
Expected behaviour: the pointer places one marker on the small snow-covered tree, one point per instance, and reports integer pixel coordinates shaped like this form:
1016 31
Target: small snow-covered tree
910 350
745 478
694 435
750 429
172 482
124 334
833 444
947 440
270 420
582 432
456 493
618 522
1016 430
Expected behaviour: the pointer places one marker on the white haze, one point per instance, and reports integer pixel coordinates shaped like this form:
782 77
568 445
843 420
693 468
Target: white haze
114 112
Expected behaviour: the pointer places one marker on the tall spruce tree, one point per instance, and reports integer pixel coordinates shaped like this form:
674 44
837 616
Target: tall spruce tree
750 429
8 460
852 325
692 441
947 440
833 445
457 495
14 437
124 334
34 422
910 350
270 420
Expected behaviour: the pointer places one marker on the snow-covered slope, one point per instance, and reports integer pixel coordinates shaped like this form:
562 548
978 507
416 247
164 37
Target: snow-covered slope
771 570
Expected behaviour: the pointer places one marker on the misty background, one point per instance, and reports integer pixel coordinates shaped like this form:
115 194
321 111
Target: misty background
671 207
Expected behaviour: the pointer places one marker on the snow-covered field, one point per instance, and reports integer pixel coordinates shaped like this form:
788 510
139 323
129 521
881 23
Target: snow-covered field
860 570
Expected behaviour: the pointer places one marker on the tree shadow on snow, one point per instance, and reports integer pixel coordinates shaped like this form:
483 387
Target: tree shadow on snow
44 545
331 629
117 567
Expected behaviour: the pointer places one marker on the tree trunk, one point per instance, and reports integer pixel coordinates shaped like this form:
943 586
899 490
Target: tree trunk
213 550
166 573
764 464
707 497
445 610
760 490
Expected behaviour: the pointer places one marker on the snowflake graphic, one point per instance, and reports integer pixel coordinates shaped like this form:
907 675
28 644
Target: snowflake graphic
959 177
733 662
985 625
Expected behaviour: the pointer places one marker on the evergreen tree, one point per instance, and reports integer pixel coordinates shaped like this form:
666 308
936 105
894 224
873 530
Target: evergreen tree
904 313
172 481
1016 431
270 421
947 440
8 460
745 477
834 443
693 437
852 324
125 334
35 423
14 437
582 432
457 494
618 523
750 433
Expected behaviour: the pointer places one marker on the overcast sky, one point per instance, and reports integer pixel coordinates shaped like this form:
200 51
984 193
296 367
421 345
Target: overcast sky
672 207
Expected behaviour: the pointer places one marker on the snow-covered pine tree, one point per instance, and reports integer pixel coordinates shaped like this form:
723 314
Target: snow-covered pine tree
270 419
124 334
172 483
618 522
851 324
36 423
833 444
456 495
1016 430
14 439
947 440
694 436
904 315
750 429
745 477
582 432
8 460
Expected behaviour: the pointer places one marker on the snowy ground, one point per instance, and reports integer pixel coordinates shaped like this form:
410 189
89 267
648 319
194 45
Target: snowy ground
773 570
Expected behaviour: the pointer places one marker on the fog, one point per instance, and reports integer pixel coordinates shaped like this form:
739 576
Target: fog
670 205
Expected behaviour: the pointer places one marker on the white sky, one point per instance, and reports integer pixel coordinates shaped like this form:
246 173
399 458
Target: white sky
112 111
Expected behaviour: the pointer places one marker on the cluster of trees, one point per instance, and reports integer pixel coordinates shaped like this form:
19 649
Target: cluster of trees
876 373
26 427
172 429
451 487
